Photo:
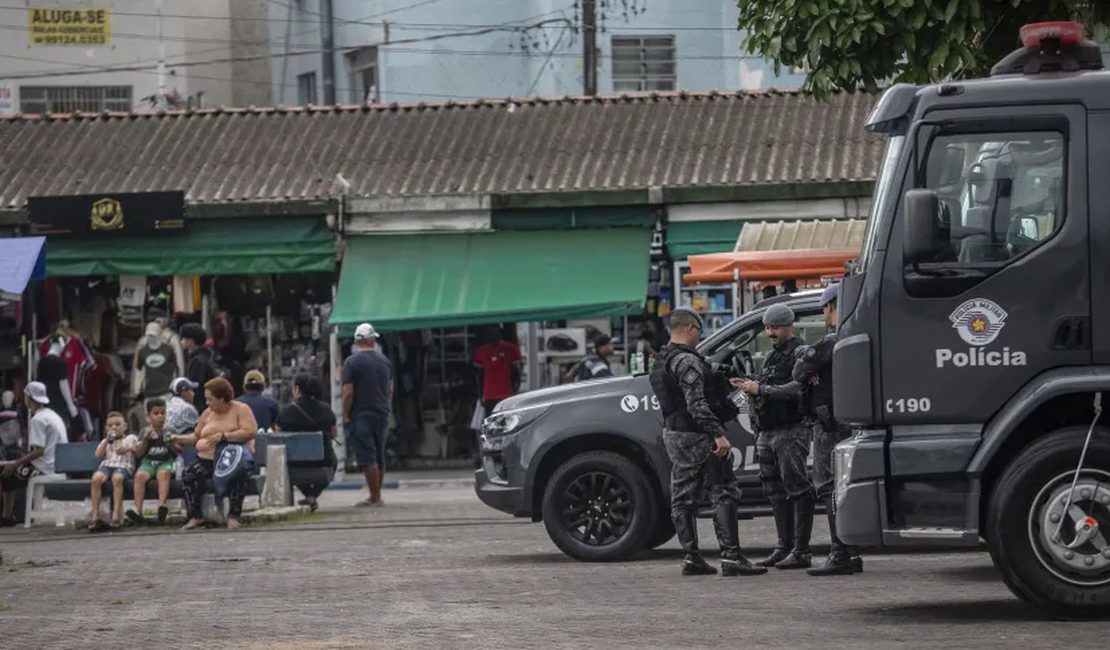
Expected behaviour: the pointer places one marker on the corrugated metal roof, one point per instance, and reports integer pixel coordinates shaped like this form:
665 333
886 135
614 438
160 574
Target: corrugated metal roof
794 235
483 147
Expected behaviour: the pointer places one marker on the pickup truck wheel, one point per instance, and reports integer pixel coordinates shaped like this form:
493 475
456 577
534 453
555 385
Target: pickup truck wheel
599 507
664 531
1055 559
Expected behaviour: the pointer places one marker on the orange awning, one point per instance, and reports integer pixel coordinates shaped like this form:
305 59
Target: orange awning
798 264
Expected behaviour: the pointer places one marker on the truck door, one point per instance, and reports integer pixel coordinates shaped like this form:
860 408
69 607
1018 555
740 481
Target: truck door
1007 296
1098 171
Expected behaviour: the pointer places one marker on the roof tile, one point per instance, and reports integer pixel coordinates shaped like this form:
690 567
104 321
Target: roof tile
480 147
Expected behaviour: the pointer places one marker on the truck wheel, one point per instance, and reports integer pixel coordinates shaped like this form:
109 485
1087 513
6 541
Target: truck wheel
599 507
1067 576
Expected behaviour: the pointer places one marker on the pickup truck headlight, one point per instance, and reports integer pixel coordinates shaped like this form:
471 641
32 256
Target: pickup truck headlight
497 427
845 452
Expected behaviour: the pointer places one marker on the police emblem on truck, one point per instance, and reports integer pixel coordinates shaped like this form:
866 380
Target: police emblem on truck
979 322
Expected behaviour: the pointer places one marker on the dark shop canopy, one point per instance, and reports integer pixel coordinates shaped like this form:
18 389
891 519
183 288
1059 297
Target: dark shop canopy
205 247
404 282
22 259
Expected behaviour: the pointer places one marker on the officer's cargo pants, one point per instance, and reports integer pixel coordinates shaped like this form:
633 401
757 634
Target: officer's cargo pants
693 468
782 457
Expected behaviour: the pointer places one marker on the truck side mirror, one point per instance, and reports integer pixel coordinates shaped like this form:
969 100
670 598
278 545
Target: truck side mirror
921 237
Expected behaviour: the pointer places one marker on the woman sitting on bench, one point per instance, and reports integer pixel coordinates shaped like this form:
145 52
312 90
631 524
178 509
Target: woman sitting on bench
225 420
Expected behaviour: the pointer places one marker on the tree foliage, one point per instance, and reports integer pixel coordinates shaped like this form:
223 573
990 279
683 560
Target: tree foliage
848 44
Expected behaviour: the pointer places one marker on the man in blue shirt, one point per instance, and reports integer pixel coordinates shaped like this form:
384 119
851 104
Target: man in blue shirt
264 407
367 403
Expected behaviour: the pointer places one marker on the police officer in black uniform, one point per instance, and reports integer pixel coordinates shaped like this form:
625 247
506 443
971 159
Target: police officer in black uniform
782 443
813 371
691 399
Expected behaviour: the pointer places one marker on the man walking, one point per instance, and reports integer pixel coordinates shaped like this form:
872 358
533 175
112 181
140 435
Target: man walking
782 444
694 436
813 371
367 403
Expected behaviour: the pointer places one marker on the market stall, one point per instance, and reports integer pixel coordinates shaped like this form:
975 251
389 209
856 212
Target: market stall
748 271
127 271
435 297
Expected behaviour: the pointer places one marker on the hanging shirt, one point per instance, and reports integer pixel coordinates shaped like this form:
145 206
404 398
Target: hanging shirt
496 360
78 360
159 366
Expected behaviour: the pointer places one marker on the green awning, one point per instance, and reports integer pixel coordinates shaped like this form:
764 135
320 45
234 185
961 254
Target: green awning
404 282
688 238
206 247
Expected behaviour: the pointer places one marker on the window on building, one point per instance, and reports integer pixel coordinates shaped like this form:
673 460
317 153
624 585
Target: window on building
306 89
644 64
70 99
362 74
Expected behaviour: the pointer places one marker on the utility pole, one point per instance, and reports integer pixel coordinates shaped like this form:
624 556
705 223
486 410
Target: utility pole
327 29
589 45
161 61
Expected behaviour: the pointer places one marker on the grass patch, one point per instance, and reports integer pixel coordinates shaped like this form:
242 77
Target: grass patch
116 603
104 629
4 608
151 586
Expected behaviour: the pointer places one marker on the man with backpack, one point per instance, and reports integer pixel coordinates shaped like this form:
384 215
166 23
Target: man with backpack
200 361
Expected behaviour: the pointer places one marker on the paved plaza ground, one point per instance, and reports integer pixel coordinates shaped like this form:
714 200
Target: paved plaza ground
435 568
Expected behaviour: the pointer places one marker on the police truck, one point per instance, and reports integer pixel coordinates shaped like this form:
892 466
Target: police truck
974 334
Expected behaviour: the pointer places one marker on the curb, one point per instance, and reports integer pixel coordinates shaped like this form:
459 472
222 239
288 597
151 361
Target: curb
444 483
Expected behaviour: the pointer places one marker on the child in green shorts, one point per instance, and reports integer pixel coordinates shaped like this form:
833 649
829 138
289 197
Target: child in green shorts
157 461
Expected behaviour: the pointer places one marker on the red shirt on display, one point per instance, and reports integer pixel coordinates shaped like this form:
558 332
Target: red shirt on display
496 359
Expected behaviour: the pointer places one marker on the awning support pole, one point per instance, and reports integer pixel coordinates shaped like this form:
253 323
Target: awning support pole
533 357
270 347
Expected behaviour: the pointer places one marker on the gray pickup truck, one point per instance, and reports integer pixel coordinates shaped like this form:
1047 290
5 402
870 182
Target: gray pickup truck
588 460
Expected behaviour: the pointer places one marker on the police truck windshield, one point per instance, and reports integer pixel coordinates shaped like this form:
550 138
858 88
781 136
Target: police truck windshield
882 196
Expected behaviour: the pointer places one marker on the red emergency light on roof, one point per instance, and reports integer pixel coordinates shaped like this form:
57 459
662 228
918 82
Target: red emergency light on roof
1033 35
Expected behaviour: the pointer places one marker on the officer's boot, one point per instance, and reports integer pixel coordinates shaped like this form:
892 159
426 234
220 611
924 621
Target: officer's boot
857 561
801 557
839 562
686 527
784 524
733 562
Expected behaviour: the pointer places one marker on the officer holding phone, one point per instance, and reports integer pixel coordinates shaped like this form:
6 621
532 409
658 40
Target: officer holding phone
694 436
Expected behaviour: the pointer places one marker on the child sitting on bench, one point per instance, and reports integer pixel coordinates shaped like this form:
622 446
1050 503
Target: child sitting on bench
157 461
118 451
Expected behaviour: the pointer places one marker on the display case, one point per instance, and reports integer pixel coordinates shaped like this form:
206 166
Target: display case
716 302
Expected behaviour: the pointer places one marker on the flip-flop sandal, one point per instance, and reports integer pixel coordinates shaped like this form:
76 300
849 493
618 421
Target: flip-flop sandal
114 525
367 503
96 526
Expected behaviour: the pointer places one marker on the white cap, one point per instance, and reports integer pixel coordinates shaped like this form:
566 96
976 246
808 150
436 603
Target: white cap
37 391
153 329
365 332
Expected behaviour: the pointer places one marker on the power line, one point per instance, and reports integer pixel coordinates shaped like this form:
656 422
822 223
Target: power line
266 83
94 69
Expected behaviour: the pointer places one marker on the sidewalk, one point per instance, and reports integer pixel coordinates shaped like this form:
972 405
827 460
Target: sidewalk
428 478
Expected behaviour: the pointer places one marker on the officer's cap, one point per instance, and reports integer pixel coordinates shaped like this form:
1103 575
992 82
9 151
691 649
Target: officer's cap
689 310
778 315
830 294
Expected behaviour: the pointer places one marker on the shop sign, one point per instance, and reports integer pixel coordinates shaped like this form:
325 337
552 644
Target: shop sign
7 98
106 214
86 26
